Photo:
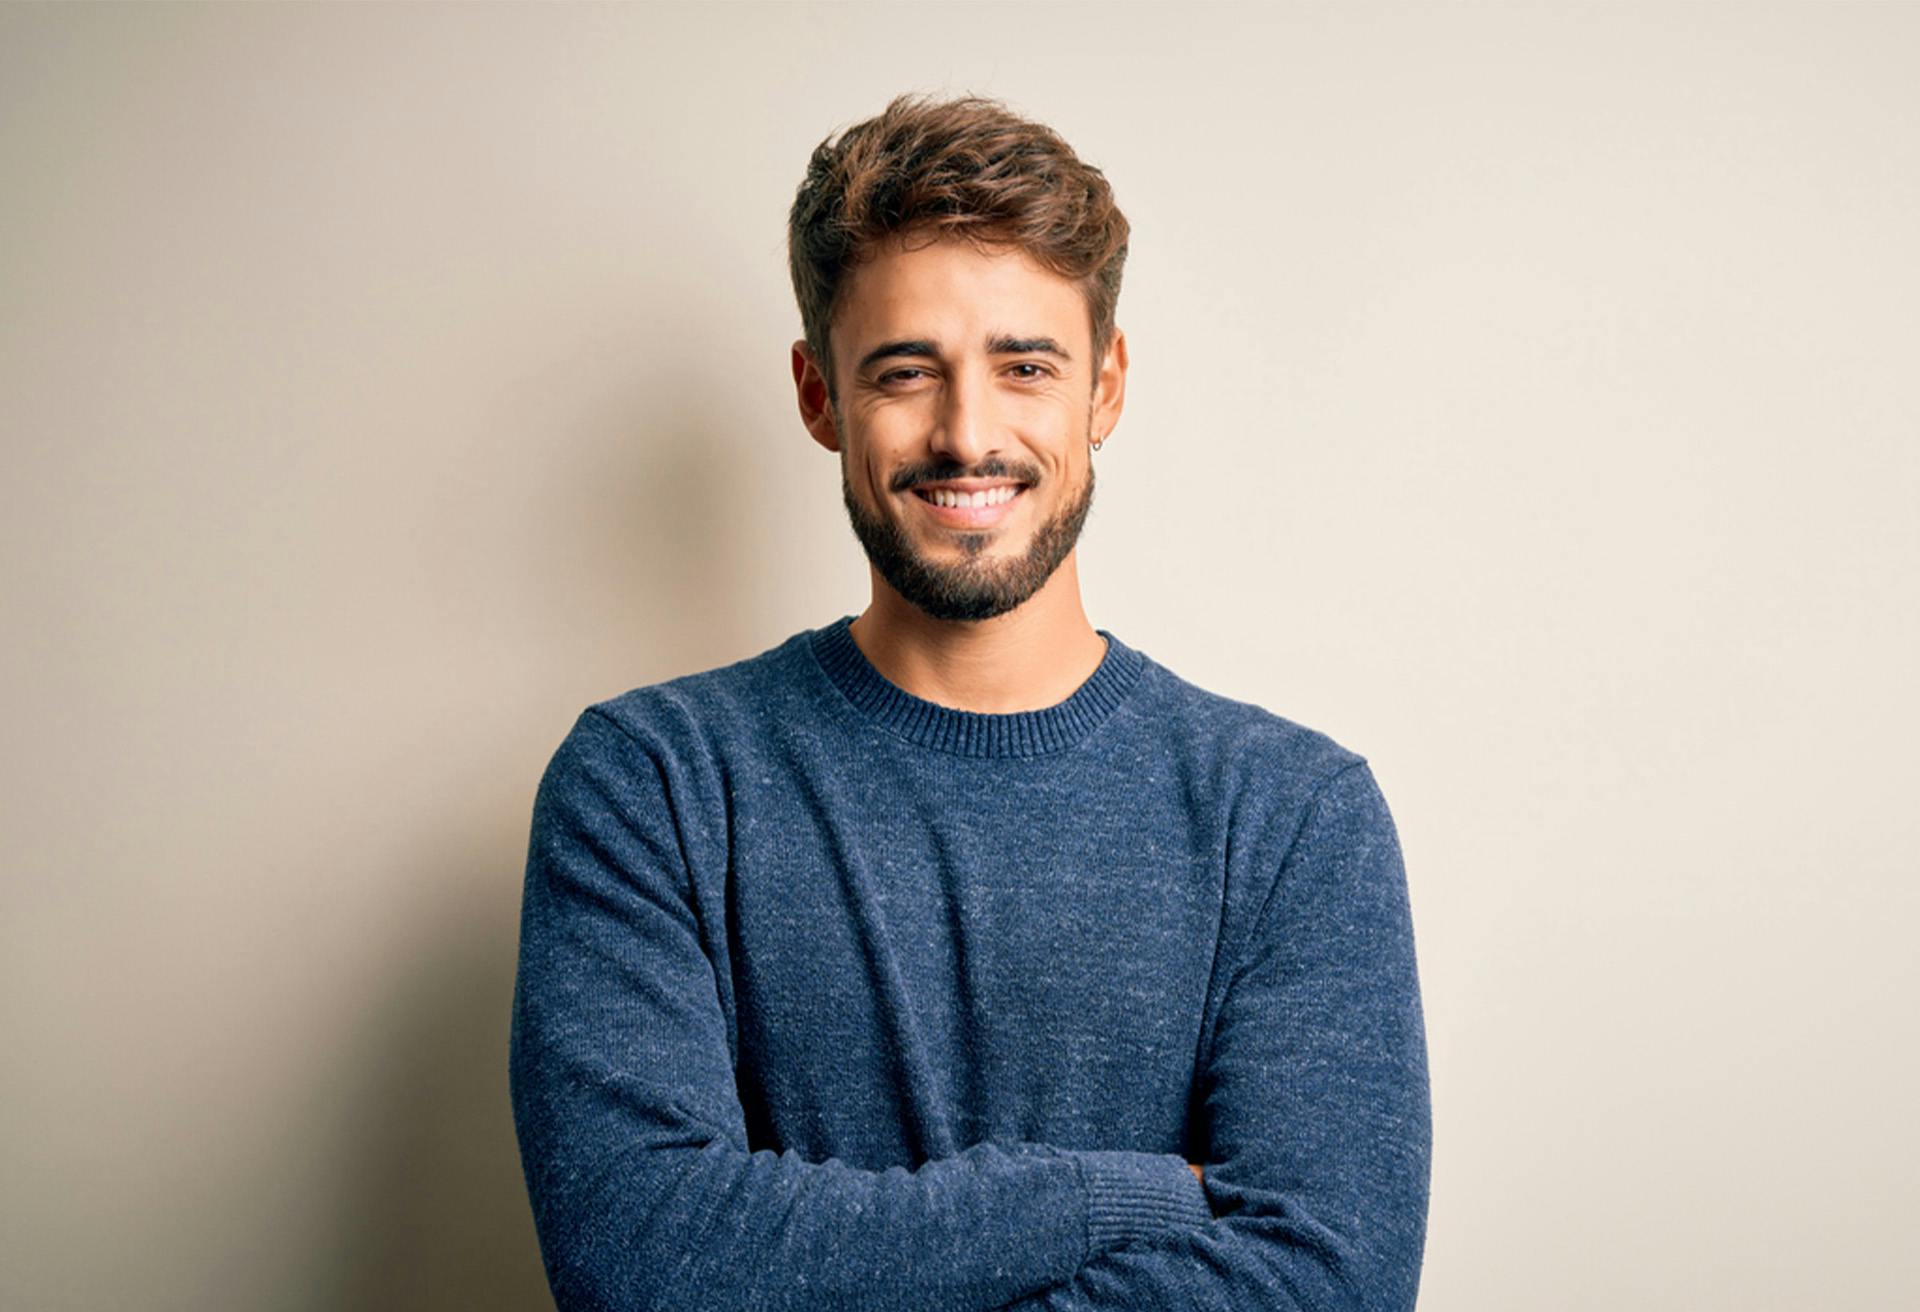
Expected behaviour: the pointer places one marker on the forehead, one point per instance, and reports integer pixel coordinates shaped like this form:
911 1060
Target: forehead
956 293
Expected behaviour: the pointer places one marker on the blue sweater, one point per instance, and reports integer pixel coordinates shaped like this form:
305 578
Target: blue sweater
833 997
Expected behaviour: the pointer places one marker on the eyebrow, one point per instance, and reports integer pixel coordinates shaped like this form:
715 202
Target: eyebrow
1001 345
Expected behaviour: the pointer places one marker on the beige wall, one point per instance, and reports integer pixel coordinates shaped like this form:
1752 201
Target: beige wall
1525 397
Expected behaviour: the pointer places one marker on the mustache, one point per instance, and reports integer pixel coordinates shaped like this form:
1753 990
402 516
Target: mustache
914 476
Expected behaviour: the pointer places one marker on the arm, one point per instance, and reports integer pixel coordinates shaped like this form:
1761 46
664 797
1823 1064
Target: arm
1319 1130
632 1136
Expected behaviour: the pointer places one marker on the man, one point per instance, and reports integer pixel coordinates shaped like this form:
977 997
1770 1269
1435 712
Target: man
959 955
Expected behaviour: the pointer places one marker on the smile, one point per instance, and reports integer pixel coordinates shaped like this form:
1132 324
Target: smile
976 509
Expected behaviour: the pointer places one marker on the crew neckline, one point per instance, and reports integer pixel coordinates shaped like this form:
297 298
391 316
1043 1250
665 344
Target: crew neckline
975 733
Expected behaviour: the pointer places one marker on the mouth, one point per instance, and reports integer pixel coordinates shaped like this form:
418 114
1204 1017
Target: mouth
970 505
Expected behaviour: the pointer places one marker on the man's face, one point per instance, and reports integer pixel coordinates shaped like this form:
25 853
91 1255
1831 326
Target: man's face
964 372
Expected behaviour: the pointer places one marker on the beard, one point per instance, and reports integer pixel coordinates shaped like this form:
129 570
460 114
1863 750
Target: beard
977 586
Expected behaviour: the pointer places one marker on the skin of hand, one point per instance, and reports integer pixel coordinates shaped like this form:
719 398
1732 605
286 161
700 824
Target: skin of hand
1195 1168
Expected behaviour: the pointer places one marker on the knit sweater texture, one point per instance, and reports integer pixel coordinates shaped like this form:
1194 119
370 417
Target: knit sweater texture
832 997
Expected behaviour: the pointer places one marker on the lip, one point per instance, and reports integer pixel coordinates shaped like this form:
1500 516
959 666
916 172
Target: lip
969 516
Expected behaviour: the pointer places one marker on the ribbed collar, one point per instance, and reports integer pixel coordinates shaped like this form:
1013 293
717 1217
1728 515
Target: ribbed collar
976 733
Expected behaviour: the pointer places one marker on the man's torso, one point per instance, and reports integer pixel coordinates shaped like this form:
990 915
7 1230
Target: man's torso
931 927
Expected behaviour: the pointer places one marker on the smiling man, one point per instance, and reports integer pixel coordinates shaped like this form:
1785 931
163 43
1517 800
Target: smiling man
959 522
965 446
960 955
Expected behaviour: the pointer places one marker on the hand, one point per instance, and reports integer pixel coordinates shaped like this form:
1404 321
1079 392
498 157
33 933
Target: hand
1195 1168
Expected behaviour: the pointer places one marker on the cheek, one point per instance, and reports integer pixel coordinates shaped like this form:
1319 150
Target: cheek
1060 413
1058 427
874 465
886 433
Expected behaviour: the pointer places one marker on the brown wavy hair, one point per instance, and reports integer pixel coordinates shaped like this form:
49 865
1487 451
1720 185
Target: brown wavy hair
966 166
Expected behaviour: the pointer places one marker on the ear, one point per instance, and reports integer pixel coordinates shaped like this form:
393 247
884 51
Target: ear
1110 388
811 386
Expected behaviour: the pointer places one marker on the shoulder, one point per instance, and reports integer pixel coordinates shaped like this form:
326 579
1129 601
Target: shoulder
1288 796
1271 780
1252 748
690 711
683 726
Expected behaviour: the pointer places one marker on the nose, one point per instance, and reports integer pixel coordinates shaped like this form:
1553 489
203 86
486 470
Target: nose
965 430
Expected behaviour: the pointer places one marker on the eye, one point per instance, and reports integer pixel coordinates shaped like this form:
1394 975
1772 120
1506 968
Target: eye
1039 371
901 375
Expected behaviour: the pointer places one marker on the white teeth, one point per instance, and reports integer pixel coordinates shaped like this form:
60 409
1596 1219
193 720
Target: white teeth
991 497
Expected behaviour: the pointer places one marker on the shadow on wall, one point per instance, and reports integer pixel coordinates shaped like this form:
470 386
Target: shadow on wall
435 1215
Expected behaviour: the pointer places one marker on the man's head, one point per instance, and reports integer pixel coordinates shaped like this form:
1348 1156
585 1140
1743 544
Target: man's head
966 167
957 269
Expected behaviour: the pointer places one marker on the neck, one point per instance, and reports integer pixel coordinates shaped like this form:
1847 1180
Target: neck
1032 657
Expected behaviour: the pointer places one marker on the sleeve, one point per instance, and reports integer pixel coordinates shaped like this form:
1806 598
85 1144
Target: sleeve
1319 1132
632 1136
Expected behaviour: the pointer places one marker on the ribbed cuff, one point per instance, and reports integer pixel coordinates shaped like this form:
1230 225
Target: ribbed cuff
1132 1195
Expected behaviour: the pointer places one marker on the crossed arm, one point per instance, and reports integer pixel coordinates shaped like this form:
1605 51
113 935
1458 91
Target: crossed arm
1318 1133
645 1194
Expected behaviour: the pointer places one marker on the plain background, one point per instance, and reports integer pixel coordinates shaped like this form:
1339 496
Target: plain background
1524 396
